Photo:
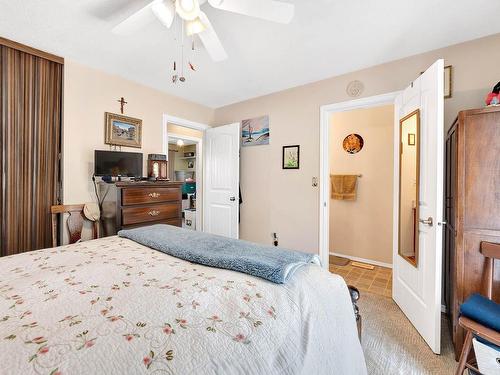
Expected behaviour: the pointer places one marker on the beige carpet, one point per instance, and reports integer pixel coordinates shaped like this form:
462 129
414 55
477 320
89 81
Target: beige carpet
393 346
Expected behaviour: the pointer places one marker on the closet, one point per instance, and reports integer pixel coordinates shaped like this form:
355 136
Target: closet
472 208
31 85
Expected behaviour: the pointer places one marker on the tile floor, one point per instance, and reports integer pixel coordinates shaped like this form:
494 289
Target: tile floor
378 280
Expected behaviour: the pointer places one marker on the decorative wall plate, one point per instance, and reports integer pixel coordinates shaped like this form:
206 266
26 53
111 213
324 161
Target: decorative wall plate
355 88
353 143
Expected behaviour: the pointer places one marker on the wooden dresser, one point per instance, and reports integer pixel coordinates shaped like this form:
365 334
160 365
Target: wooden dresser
472 208
134 204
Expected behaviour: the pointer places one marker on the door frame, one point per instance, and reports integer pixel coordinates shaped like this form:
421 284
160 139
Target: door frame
324 156
182 122
167 119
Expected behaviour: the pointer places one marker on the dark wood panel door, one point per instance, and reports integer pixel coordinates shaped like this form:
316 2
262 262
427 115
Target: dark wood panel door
482 171
449 229
30 140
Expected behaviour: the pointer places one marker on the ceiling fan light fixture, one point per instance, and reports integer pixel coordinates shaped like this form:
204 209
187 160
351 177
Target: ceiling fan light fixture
188 10
195 26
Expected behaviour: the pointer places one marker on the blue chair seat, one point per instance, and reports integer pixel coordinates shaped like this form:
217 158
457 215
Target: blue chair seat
482 310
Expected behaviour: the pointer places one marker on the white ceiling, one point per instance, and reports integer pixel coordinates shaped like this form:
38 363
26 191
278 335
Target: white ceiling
326 38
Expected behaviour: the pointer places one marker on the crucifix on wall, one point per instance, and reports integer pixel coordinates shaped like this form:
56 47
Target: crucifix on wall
122 104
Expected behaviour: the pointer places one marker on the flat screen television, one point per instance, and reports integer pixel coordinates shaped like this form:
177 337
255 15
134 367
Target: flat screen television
117 163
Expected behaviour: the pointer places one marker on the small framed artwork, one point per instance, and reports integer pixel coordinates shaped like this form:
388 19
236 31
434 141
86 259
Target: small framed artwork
291 157
448 81
411 139
122 130
255 131
353 143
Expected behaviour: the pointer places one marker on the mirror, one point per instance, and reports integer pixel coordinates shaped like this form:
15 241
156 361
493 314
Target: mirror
409 171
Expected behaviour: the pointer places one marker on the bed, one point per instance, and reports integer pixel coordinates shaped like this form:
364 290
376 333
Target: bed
114 306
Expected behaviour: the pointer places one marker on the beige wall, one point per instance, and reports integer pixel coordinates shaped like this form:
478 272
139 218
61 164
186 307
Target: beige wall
359 228
284 201
88 93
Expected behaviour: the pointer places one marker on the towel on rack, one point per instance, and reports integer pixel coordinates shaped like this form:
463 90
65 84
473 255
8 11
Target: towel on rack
344 187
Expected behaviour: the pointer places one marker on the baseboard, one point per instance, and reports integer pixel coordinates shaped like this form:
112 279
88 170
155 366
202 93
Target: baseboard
363 260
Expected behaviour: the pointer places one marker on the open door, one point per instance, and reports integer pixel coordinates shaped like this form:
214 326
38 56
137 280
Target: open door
418 206
222 179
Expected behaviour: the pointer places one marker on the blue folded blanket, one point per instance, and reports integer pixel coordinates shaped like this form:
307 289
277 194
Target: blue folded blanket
271 263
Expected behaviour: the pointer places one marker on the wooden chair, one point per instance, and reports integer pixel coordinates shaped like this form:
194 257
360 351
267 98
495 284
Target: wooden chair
74 222
490 251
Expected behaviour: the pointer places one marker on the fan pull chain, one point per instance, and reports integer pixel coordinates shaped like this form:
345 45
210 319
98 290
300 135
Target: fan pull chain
175 76
182 78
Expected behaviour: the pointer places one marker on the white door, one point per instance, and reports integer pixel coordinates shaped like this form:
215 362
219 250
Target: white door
222 179
417 288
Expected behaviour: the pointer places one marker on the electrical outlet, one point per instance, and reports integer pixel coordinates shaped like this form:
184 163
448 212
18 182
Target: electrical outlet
275 239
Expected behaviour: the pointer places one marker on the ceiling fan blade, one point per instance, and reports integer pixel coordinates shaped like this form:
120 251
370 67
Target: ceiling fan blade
211 41
136 21
164 10
270 10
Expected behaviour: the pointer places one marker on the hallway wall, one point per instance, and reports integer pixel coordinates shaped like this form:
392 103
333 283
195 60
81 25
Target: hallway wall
363 228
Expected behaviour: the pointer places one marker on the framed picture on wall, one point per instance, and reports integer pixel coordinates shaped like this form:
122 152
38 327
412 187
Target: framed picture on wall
411 139
122 130
448 81
291 157
255 131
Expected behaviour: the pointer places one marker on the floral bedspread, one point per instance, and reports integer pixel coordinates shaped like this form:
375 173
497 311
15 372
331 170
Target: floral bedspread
112 306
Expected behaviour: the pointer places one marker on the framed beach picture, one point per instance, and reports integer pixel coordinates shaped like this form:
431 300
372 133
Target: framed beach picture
123 130
255 132
291 157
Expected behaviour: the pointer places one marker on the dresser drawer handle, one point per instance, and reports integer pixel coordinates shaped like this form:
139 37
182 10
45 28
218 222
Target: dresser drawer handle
154 213
154 195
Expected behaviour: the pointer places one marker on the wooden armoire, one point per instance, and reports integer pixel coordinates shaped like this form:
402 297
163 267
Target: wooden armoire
472 208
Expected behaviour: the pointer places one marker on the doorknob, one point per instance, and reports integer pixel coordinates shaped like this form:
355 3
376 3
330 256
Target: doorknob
232 199
427 221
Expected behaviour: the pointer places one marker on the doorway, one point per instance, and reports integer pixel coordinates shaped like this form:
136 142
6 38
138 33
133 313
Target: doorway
417 275
212 170
326 169
183 153
361 155
183 143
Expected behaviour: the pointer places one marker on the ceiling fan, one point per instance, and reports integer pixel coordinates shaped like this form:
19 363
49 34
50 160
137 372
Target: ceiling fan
196 21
